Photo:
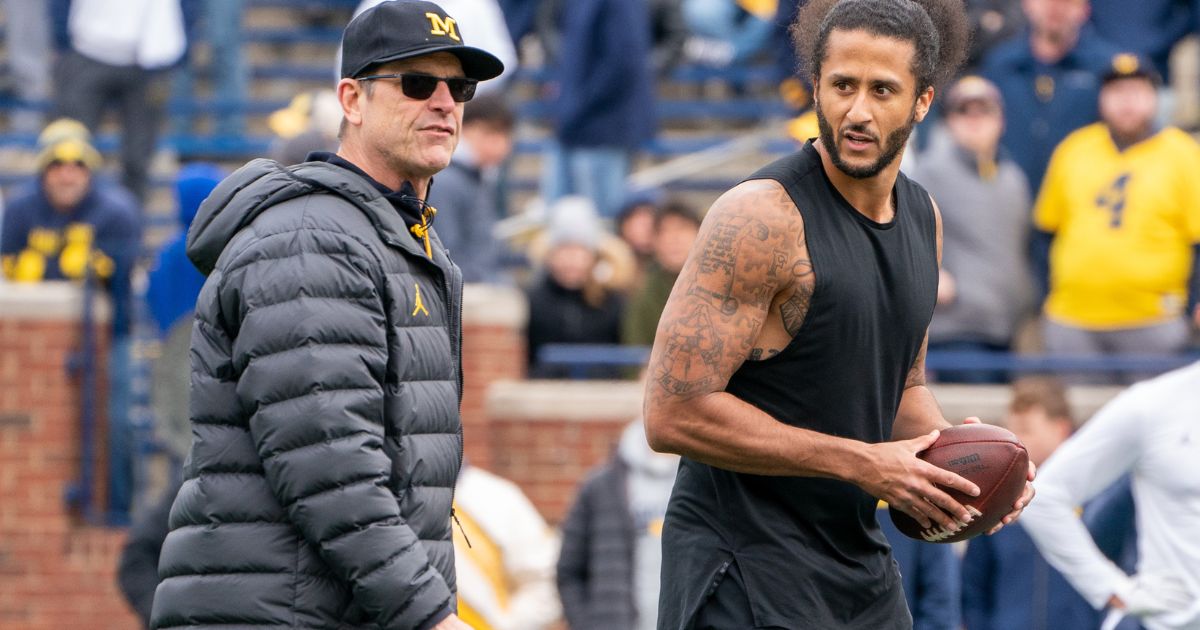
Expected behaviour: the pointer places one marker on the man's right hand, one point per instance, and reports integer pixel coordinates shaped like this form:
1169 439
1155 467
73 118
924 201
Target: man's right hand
896 475
452 623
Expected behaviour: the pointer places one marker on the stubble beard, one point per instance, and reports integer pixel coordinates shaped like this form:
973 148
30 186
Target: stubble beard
892 146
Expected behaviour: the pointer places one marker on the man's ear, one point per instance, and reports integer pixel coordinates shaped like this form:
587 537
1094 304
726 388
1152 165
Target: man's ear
350 95
924 101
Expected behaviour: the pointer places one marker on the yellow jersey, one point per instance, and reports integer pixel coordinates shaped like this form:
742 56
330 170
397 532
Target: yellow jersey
1124 225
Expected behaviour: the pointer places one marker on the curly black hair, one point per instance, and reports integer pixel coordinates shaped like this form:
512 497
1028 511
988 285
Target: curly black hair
938 29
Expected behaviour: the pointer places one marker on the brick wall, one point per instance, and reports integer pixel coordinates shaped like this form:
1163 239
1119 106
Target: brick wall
493 350
547 435
55 570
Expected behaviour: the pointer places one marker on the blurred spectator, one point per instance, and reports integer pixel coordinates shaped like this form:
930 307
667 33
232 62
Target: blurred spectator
69 225
1049 75
930 574
602 99
118 53
137 567
1149 431
568 303
992 22
635 226
174 285
608 572
308 124
467 193
521 17
985 288
506 570
1149 27
27 35
1119 222
483 22
668 31
219 23
676 225
728 31
1006 583
668 35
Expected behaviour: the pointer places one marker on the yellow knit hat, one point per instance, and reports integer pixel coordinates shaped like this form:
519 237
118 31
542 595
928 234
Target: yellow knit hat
66 140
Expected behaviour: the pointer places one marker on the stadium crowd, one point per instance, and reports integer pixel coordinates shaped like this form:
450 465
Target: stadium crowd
1069 193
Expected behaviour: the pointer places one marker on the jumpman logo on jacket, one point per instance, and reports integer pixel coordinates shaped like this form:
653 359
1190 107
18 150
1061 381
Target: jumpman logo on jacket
419 306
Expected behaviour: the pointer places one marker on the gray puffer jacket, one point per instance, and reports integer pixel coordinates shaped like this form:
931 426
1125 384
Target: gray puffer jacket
326 386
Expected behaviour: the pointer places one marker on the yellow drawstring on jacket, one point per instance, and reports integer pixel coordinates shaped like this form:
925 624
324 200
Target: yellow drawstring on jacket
422 231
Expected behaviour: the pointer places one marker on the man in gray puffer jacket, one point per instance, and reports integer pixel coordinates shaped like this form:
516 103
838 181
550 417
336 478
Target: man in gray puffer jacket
326 375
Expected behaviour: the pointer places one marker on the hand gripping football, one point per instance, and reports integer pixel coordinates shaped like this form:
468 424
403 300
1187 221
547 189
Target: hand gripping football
990 457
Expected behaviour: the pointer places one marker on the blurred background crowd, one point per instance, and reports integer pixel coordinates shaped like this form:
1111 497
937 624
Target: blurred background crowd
1062 160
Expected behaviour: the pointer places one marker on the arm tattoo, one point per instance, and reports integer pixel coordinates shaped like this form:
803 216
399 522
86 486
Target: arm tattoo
692 354
724 292
795 308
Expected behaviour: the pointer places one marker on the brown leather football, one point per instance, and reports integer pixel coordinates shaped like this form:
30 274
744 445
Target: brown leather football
989 456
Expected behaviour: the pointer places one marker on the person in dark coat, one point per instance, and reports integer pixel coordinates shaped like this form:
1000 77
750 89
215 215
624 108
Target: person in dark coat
611 539
567 303
326 362
137 567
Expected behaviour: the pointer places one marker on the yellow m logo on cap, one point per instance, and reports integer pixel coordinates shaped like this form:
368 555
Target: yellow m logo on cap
438 26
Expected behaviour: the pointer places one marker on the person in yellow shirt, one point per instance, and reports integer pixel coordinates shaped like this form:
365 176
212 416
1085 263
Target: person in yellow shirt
1118 225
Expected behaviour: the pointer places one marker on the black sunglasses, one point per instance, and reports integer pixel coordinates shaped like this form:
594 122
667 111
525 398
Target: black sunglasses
422 86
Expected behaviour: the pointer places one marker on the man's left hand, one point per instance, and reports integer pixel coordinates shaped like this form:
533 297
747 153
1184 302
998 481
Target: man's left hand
1196 316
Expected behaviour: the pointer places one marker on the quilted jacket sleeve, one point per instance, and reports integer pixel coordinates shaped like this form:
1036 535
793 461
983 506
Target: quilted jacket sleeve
311 348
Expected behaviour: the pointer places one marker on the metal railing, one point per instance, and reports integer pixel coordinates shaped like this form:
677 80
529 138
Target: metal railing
579 360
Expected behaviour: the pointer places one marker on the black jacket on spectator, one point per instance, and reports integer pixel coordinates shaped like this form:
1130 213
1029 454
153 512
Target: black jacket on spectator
137 568
326 379
595 566
560 315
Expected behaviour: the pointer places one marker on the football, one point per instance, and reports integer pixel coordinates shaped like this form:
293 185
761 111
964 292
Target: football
989 456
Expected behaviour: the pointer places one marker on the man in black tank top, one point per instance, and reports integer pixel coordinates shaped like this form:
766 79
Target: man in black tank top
788 367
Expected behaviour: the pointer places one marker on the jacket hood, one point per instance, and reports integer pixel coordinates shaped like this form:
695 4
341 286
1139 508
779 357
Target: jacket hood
263 183
192 185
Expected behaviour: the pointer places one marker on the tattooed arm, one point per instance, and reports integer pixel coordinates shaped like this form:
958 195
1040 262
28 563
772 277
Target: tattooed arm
749 266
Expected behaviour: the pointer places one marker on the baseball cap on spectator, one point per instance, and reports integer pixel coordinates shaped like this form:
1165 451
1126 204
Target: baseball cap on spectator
1129 65
401 29
66 140
973 89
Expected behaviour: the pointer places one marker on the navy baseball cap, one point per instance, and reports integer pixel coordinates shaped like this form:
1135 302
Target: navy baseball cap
1130 65
401 29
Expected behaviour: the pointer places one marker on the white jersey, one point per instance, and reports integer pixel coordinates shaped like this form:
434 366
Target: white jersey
1153 431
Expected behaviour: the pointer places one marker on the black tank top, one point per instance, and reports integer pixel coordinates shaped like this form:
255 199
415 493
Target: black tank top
810 550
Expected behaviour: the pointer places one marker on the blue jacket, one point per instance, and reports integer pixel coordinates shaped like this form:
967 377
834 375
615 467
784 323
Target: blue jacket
175 282
1149 27
604 75
467 211
114 217
930 576
1070 89
1007 584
